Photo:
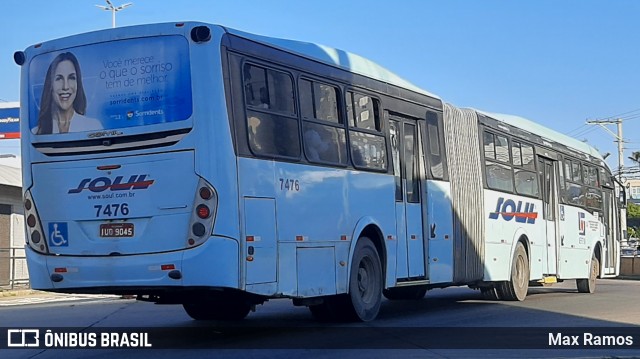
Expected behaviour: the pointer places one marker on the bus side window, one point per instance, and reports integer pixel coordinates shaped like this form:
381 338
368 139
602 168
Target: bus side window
496 150
575 193
524 169
368 145
435 155
563 191
323 132
272 123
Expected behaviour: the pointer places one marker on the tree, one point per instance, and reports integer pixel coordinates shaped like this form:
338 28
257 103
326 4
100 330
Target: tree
633 210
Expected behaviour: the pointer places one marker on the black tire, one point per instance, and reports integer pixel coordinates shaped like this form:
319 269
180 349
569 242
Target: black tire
515 289
365 284
217 310
490 293
589 285
405 293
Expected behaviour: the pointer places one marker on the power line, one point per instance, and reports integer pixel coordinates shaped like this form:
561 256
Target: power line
621 114
585 131
575 129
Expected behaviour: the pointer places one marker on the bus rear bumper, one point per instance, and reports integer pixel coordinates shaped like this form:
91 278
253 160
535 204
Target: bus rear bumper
215 263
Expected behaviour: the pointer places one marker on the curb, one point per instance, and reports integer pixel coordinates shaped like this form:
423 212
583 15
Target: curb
18 293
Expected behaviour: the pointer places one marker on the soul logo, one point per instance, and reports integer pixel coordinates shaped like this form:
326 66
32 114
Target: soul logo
509 209
101 184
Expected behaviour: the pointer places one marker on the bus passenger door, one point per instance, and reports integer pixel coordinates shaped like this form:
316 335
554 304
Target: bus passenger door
410 250
546 170
609 217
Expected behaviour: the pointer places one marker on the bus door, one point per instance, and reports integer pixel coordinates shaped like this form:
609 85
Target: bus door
404 146
609 218
547 172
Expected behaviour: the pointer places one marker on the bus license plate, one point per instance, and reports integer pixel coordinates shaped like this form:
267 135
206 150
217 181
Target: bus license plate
116 230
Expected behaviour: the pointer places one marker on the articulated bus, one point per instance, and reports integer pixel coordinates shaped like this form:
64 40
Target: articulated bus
193 164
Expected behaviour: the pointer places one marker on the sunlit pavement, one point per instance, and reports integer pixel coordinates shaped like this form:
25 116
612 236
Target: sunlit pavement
25 297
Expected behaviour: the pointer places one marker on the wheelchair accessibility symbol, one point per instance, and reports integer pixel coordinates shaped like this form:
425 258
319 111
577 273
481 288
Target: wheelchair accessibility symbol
58 234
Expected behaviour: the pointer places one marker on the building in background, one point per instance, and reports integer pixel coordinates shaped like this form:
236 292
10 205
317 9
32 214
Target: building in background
13 268
632 187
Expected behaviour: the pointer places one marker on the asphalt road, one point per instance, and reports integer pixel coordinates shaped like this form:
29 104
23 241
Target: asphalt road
403 329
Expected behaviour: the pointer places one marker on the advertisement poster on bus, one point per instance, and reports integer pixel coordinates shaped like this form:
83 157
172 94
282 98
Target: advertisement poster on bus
110 85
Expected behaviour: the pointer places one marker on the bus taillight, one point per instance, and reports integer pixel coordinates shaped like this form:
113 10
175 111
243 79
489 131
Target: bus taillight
203 215
34 227
203 211
205 193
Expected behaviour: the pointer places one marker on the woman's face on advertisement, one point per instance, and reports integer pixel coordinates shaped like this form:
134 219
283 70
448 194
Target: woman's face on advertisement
65 84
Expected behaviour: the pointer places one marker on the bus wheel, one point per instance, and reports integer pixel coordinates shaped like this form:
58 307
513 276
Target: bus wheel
490 293
405 293
365 282
589 285
516 288
217 310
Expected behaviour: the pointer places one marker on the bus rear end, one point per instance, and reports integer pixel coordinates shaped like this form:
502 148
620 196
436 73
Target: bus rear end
126 146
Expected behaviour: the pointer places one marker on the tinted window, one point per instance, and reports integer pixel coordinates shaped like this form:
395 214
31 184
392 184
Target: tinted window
499 177
526 182
435 154
368 151
528 157
363 111
324 144
502 149
489 146
411 164
269 89
273 135
272 124
319 101
516 154
394 133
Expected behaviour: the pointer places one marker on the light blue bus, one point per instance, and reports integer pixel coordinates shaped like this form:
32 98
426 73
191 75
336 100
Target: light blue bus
189 163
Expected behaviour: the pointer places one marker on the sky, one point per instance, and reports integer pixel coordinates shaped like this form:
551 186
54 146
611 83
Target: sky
558 63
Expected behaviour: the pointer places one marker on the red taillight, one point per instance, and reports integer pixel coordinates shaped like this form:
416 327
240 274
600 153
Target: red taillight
203 211
60 270
167 267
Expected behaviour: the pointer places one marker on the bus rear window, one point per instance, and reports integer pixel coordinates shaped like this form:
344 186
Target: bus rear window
111 85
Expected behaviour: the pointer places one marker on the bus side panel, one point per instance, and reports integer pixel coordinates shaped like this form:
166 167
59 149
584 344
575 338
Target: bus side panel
308 262
508 218
439 232
373 201
319 207
255 180
579 232
219 255
260 236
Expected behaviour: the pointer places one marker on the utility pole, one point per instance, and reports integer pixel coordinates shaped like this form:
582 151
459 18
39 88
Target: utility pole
617 136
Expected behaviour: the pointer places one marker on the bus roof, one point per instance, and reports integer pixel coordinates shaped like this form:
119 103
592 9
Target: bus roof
544 132
332 56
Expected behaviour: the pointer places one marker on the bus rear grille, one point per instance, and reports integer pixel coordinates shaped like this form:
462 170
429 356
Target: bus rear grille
112 144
